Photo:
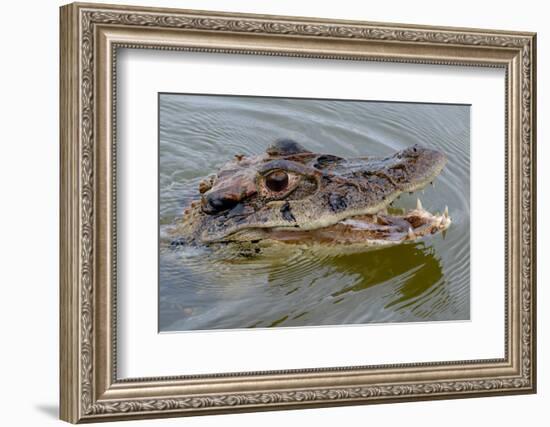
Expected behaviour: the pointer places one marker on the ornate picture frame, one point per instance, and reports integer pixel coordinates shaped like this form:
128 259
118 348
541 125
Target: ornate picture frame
90 37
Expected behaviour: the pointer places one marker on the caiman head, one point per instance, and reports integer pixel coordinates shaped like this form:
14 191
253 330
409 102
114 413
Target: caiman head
292 195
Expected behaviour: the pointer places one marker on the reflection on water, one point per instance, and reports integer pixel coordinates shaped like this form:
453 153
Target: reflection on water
201 288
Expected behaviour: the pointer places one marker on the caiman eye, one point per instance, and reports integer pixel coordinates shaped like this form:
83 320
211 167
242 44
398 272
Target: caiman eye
277 181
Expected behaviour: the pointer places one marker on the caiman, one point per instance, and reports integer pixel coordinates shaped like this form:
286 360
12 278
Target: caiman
292 195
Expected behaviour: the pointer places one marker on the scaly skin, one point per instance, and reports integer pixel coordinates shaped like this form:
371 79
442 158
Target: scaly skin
290 195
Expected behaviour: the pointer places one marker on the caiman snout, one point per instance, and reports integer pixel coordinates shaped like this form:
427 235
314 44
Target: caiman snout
227 194
215 202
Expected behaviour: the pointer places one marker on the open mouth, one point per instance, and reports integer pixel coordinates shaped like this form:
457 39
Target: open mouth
392 226
389 226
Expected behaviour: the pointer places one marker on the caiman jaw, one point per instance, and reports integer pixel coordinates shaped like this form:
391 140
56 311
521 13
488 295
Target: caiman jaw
382 228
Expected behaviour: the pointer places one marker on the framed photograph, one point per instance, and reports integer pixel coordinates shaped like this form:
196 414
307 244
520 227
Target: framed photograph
267 212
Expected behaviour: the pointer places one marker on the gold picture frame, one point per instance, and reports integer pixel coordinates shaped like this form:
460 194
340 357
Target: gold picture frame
90 36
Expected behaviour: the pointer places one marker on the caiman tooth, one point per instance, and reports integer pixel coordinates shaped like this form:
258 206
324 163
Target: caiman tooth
418 204
444 233
410 234
446 212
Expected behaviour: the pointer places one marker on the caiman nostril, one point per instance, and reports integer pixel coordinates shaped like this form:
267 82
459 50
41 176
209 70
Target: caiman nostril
214 203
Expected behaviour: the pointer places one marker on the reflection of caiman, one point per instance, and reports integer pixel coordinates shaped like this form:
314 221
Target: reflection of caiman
292 195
